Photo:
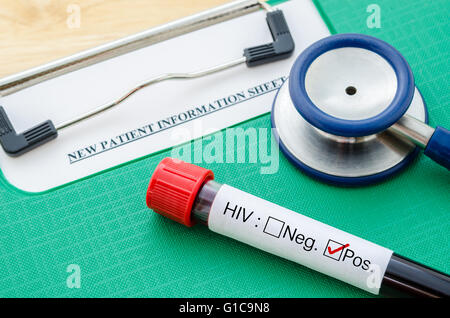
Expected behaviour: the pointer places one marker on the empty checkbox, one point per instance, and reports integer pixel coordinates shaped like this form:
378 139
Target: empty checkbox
273 227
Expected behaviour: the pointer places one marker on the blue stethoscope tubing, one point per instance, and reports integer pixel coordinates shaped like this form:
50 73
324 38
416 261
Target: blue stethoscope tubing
437 148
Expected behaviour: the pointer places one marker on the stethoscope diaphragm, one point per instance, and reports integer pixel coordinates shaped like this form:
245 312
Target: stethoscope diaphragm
350 113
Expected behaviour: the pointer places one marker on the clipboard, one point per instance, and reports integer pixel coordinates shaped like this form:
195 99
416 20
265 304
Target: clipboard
101 222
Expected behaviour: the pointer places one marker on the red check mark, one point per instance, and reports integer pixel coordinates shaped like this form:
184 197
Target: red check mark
338 249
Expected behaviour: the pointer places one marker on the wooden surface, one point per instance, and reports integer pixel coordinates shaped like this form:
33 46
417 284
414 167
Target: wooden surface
34 32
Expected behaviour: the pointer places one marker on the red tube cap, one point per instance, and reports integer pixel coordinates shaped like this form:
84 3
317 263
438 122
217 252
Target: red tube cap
174 187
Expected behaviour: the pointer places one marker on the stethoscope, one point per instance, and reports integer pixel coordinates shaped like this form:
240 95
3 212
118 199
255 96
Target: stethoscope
350 113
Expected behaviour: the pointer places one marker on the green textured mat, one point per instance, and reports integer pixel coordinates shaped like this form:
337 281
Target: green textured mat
123 249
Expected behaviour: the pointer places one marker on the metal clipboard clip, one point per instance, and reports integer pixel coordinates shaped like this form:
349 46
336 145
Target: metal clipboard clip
282 47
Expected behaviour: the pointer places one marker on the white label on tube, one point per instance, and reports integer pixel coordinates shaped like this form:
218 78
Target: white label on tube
298 238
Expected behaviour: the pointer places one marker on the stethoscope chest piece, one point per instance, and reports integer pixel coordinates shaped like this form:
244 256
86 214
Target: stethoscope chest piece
331 117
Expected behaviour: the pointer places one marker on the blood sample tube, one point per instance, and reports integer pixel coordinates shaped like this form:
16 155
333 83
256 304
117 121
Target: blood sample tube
188 194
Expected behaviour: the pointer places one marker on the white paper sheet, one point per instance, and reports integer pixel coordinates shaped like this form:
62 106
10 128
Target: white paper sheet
132 129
